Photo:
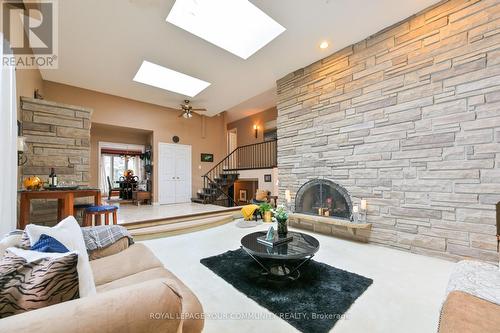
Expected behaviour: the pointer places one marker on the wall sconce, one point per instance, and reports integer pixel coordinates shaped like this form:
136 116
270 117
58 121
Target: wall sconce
256 129
21 147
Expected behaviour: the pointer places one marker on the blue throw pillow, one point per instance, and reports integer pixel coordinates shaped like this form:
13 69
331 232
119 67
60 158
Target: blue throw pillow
49 244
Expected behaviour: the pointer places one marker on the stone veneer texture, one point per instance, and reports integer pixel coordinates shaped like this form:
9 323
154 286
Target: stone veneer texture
408 119
57 136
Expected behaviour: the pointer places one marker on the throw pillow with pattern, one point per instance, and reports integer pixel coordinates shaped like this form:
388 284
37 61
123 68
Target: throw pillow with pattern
29 284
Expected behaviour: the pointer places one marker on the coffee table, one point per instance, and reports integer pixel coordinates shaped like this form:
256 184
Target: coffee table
282 260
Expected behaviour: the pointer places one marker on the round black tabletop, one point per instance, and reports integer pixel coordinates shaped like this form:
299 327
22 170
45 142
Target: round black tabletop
302 246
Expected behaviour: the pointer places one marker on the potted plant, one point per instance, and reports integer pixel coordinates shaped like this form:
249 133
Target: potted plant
265 209
281 216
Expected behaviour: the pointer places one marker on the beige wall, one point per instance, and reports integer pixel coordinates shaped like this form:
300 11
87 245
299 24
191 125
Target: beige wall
163 122
246 133
27 80
115 134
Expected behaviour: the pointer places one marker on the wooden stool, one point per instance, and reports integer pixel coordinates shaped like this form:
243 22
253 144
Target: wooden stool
79 212
97 211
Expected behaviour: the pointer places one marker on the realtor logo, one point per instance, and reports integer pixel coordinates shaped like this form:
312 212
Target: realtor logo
30 27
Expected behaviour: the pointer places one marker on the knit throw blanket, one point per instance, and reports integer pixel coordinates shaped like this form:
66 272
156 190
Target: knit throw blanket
476 278
248 210
102 236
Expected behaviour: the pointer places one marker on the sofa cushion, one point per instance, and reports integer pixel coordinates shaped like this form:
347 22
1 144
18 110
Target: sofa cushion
135 259
463 312
190 304
149 306
114 248
35 282
149 274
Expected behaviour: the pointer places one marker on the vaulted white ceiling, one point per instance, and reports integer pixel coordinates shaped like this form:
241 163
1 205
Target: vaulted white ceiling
103 43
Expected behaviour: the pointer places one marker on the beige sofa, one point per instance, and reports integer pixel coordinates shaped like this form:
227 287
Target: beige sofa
135 293
472 304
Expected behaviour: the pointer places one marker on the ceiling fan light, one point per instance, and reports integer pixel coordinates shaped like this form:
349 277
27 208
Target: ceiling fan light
185 115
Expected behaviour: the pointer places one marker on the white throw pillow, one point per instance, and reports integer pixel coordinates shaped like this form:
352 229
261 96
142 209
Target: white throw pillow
9 241
68 232
32 256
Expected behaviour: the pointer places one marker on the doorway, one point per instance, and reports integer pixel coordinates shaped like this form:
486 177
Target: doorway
232 140
174 173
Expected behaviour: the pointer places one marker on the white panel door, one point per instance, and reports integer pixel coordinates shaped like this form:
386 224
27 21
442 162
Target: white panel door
166 174
183 174
174 173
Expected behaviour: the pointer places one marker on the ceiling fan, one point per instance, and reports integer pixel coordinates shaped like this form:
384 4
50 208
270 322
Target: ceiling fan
187 110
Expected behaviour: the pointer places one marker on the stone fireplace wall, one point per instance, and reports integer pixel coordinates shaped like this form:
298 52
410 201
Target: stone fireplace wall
57 136
408 119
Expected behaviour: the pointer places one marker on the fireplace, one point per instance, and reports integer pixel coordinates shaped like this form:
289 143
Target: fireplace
323 198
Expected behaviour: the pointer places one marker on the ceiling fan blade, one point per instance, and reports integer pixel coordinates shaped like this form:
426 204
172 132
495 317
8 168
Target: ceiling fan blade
200 110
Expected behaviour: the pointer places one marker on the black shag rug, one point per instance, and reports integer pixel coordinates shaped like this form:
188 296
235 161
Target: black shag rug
313 303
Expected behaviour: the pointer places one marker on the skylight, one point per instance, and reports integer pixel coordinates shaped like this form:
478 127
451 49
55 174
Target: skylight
236 26
168 79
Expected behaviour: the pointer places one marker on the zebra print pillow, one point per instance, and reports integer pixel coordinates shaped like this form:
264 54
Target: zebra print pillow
26 286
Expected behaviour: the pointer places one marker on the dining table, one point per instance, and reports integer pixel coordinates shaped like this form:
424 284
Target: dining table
65 201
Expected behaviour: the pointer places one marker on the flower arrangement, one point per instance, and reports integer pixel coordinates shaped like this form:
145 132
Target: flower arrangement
280 215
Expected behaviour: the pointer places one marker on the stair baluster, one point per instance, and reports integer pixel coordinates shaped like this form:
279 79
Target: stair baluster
217 181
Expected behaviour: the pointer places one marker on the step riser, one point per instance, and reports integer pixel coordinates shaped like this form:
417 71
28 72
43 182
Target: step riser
178 229
179 219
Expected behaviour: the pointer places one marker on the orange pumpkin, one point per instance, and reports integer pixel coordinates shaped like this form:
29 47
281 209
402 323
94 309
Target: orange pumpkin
32 183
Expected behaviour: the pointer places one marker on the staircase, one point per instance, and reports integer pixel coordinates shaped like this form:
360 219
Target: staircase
218 183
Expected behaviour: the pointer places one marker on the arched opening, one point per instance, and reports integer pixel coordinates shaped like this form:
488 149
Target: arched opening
325 198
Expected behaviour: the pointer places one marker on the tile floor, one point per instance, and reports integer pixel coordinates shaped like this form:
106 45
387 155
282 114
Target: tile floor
131 213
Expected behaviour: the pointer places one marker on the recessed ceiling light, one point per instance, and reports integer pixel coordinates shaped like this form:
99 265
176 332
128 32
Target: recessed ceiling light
323 45
236 26
168 79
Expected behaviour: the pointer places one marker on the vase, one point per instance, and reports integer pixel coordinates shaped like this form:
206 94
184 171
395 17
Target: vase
268 216
282 227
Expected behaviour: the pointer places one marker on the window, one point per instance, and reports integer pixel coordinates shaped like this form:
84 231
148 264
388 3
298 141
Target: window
115 166
115 159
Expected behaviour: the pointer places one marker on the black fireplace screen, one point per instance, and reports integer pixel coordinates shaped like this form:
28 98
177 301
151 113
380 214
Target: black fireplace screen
325 198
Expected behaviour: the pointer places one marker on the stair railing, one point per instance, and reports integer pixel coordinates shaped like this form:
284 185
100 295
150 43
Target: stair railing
208 181
262 155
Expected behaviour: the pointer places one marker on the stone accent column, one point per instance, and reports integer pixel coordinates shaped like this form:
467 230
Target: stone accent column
57 136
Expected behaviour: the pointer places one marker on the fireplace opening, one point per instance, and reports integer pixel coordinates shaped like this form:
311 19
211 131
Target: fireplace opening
323 198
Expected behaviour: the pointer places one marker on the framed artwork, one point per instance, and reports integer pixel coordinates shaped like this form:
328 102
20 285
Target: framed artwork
267 178
243 196
205 157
